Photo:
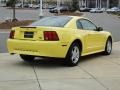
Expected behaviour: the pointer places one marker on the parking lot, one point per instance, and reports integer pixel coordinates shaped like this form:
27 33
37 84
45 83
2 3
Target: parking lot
22 14
94 72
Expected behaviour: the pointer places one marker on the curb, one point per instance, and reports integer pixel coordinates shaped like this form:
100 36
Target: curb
5 30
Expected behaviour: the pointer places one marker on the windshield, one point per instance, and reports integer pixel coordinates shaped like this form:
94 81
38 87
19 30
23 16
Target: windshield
54 21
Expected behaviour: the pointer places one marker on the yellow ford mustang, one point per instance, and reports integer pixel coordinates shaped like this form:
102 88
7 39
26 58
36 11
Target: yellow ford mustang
68 37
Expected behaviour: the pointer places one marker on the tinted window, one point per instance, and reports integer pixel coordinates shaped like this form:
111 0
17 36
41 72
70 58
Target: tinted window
79 25
87 25
55 21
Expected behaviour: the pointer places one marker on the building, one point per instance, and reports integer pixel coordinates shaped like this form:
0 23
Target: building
99 3
93 3
82 3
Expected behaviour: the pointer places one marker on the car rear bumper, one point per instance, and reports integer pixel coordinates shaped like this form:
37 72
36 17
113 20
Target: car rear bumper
37 48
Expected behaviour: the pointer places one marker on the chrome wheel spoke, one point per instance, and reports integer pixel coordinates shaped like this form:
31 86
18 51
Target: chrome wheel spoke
75 54
109 46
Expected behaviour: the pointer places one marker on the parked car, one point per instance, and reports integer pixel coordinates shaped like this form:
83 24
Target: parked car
61 9
18 5
67 37
103 9
51 7
30 5
112 10
36 6
96 10
85 9
26 5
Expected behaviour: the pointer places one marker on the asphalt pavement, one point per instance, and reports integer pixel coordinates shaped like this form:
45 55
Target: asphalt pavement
94 72
109 23
22 14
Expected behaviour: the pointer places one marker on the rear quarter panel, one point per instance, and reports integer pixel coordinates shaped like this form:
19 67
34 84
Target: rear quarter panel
68 36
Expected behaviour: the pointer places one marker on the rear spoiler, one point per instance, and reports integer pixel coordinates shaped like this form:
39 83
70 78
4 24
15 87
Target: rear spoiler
27 27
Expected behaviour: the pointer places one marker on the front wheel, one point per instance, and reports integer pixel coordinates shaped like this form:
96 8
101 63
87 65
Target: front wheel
108 47
73 55
27 58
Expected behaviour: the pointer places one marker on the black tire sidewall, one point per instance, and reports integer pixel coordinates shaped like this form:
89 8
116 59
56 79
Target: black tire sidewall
68 60
27 58
106 52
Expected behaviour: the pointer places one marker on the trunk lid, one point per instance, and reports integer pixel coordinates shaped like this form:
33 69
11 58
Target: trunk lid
30 33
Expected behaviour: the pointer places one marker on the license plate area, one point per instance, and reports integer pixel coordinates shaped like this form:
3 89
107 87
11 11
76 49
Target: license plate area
28 34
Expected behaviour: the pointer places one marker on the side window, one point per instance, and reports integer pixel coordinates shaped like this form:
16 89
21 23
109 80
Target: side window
87 25
79 25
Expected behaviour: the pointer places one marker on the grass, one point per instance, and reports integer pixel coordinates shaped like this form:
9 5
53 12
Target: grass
116 13
9 25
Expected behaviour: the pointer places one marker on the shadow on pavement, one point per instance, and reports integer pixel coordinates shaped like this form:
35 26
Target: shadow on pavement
91 57
55 63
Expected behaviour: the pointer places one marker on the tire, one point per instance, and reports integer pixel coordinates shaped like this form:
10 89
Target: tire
73 55
108 47
27 58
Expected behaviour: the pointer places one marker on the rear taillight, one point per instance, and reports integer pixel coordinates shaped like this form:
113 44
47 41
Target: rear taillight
50 36
12 33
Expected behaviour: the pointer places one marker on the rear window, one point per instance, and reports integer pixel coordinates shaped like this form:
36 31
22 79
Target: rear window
54 21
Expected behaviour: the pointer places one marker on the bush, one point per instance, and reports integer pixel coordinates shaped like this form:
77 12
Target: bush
11 3
75 5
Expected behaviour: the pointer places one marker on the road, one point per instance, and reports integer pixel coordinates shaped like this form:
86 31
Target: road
95 72
108 22
22 14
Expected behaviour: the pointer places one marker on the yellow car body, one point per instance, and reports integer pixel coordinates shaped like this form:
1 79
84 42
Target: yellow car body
90 41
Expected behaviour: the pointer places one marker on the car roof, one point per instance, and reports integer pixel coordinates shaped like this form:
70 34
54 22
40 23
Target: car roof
72 22
73 17
77 17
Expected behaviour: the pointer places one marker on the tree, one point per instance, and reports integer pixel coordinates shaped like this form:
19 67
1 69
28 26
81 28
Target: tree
119 3
75 4
11 3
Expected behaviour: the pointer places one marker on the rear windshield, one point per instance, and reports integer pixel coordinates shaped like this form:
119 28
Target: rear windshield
54 21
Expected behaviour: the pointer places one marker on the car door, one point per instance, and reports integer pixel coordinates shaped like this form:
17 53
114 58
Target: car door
93 40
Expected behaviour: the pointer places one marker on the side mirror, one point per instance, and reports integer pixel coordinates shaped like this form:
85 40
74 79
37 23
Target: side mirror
99 29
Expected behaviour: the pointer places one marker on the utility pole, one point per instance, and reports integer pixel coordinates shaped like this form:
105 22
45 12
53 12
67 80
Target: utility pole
58 6
82 3
100 4
85 3
22 3
119 3
108 2
41 11
14 14
96 3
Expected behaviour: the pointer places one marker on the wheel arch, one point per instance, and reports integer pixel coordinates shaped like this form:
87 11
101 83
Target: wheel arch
76 41
105 50
79 42
107 38
110 37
